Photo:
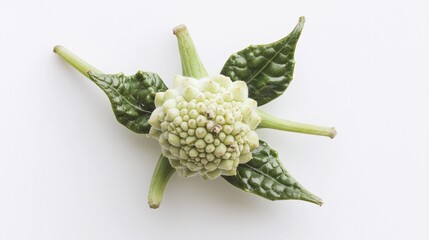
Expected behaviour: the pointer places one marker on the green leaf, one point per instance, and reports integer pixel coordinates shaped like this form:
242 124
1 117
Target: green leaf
267 69
265 176
132 97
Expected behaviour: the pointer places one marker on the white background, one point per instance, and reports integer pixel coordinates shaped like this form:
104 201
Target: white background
68 170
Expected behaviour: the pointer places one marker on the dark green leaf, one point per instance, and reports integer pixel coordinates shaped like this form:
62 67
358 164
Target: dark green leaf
265 176
132 97
267 69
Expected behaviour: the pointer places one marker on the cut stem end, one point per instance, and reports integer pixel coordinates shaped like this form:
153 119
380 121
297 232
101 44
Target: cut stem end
179 28
153 205
333 133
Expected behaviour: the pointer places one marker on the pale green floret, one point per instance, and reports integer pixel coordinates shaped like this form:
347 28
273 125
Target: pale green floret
191 132
205 126
190 140
178 120
170 94
253 120
227 129
209 138
226 165
200 132
170 103
210 148
192 123
184 126
190 93
174 140
200 143
172 113
175 150
193 114
221 136
193 153
201 121
229 140
220 150
159 99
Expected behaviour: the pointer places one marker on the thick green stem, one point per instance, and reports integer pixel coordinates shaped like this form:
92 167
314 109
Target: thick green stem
191 63
160 177
271 121
80 65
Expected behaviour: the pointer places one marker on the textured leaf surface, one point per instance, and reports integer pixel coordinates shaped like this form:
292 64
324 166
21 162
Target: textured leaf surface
265 176
267 69
132 97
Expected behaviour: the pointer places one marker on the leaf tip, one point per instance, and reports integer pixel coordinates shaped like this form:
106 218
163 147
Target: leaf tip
309 197
300 25
319 202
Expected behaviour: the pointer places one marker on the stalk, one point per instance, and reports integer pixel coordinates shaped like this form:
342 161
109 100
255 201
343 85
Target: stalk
273 122
79 64
160 177
191 63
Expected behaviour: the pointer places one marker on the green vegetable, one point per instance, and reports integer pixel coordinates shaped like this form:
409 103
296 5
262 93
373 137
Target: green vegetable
132 97
267 69
206 124
266 177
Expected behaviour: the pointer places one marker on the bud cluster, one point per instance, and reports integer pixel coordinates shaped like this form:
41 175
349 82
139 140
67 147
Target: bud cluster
205 126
